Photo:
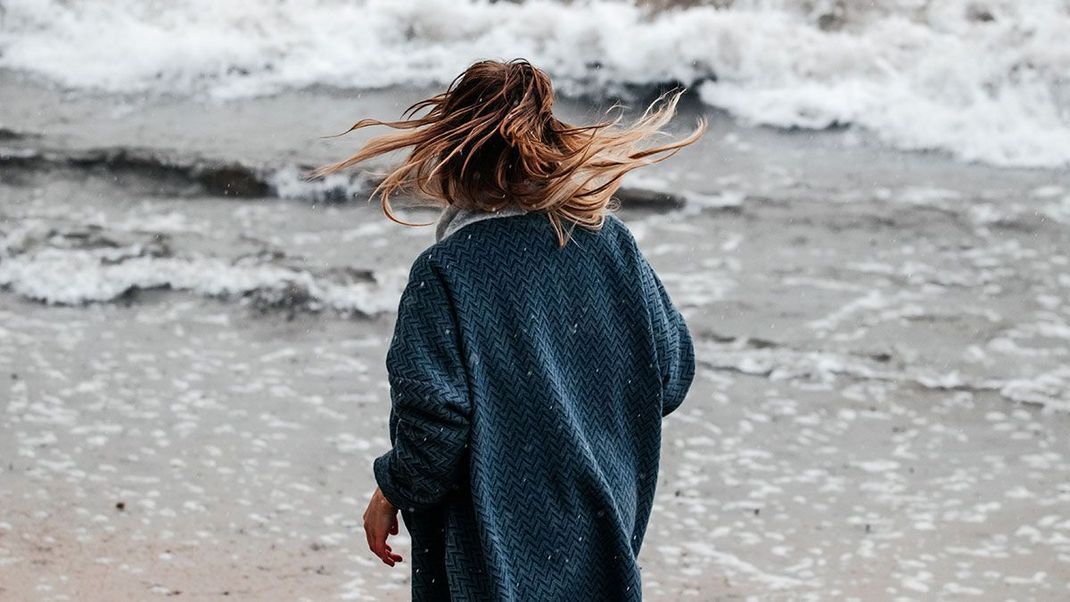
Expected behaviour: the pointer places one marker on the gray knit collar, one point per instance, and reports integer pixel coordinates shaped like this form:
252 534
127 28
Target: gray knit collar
454 218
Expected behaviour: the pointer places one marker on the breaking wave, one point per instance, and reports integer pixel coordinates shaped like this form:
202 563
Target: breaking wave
75 266
986 81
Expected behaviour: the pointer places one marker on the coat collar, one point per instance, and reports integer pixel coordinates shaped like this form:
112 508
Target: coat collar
454 218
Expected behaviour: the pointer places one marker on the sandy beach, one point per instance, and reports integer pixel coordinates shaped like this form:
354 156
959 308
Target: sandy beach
192 386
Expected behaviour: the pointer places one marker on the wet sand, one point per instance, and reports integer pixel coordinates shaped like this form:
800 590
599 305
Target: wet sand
881 411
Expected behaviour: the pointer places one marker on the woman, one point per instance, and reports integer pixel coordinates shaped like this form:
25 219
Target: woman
531 362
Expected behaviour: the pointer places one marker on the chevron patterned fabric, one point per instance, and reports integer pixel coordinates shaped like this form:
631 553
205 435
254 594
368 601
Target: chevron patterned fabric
528 383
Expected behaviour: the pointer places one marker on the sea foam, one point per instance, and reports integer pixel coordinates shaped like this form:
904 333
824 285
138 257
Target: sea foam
985 81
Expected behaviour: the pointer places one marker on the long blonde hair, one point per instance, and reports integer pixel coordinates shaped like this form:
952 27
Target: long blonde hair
491 140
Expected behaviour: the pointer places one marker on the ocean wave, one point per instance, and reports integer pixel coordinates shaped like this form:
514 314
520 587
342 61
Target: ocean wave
985 81
176 175
80 265
186 175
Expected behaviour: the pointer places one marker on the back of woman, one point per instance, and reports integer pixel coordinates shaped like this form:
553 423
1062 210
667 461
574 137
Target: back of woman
530 366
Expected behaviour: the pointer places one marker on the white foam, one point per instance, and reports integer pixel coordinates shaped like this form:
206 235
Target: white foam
994 92
77 276
919 75
290 183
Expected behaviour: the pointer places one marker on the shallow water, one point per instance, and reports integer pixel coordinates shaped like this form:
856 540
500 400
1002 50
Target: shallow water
192 387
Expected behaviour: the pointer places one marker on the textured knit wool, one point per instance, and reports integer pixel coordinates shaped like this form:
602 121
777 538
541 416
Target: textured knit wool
528 383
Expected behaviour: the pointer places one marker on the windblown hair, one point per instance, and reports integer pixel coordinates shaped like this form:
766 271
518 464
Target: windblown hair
491 140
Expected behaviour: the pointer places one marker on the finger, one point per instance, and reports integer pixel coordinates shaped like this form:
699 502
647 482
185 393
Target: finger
382 549
394 526
390 552
388 558
381 553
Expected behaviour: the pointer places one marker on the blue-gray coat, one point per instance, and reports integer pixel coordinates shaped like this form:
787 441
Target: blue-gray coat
528 383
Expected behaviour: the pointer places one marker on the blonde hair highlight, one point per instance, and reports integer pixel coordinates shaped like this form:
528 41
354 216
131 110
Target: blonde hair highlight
491 140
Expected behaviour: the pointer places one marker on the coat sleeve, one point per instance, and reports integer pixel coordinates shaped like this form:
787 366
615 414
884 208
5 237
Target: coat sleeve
675 351
430 406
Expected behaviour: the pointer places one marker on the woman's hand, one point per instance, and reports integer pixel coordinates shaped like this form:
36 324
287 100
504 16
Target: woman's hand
381 521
